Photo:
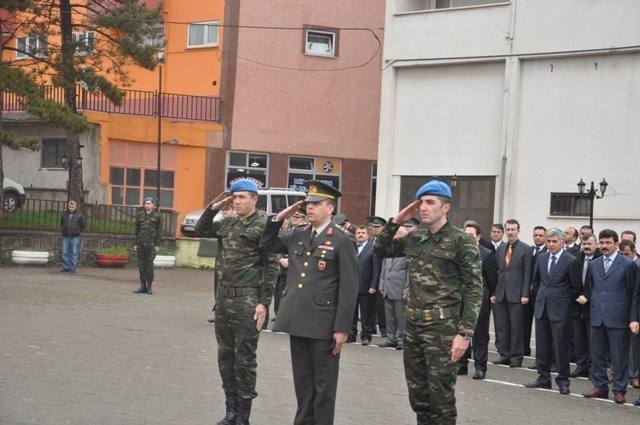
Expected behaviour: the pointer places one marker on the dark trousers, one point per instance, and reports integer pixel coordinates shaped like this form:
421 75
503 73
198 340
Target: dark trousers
527 323
634 357
315 378
381 320
509 330
582 341
281 281
366 305
552 345
480 340
615 343
146 253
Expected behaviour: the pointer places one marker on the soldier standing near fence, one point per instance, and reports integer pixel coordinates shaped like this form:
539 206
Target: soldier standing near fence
445 284
148 227
245 287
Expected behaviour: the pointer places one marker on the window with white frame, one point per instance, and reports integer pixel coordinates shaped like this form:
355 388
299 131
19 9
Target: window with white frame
320 42
84 42
31 46
303 169
203 34
247 164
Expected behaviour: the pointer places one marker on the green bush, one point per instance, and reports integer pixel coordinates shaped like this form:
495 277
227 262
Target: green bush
114 250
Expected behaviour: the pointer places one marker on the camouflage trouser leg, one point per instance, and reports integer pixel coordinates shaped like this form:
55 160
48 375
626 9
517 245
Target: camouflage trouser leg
237 339
430 374
146 254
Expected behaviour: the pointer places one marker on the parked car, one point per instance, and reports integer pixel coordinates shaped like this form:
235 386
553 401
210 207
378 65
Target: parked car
272 200
14 195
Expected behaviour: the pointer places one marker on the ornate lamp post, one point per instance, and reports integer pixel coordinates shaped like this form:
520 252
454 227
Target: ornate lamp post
592 194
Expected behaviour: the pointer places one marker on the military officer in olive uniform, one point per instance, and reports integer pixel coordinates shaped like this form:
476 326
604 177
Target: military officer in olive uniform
148 228
445 286
318 301
245 287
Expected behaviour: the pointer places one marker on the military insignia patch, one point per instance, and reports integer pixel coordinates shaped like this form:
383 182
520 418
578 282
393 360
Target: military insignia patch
322 265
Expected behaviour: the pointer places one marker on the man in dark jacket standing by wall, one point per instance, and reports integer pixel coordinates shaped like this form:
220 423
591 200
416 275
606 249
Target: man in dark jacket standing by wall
148 226
72 224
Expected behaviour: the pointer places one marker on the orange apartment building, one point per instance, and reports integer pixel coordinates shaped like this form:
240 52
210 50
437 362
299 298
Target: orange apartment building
120 154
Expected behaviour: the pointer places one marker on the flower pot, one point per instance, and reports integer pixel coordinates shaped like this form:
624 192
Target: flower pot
37 258
166 261
111 260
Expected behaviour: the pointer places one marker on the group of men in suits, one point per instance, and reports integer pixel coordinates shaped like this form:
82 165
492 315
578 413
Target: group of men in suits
584 298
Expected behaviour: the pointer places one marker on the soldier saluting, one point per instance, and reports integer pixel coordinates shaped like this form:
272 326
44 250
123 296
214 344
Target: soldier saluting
318 301
444 300
245 286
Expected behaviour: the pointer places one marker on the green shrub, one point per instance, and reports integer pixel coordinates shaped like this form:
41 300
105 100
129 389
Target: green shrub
114 250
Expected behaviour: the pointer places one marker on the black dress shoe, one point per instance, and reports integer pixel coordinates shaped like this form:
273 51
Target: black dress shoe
480 374
383 333
539 383
579 372
515 364
399 347
564 389
351 338
366 341
502 360
463 370
388 344
637 402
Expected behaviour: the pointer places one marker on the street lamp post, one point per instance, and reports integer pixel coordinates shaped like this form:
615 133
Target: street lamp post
592 194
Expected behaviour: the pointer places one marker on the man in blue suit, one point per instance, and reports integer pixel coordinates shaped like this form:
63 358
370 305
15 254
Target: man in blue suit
609 287
557 282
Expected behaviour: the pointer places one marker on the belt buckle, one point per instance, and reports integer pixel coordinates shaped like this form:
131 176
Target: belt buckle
427 315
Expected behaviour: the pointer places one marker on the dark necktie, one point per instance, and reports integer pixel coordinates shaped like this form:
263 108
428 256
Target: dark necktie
585 266
553 263
313 236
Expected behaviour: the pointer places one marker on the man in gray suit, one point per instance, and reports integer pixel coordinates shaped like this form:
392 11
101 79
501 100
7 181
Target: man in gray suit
514 264
394 287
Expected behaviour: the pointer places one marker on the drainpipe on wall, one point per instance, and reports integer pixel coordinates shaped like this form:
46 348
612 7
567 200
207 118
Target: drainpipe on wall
503 171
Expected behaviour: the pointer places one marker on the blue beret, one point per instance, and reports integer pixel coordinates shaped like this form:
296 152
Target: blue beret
149 198
244 185
435 188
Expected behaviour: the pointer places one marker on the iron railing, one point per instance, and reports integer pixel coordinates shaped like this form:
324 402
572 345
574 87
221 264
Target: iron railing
135 102
42 214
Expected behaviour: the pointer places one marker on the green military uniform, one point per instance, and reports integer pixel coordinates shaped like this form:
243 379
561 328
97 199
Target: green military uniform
319 299
148 231
444 300
245 279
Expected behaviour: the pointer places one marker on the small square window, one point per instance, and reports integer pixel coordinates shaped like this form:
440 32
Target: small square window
320 43
203 34
32 46
52 152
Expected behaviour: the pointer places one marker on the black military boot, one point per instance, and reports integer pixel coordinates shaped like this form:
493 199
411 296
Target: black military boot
230 417
149 291
244 410
142 289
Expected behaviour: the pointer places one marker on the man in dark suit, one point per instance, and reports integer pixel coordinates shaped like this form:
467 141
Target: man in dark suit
580 314
556 280
317 304
609 287
539 246
480 341
367 287
512 292
635 316
376 224
571 244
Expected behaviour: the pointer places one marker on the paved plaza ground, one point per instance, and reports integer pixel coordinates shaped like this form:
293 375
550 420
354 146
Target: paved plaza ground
82 349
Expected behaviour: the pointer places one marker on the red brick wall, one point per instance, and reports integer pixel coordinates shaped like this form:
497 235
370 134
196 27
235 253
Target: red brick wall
215 173
356 189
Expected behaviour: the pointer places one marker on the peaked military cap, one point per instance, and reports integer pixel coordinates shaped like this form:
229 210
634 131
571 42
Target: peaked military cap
301 213
340 219
244 185
320 191
411 222
434 188
374 220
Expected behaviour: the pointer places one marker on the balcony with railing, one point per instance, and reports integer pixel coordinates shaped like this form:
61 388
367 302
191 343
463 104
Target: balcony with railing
135 102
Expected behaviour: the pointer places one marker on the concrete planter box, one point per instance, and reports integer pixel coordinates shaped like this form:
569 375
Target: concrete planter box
111 260
34 258
165 261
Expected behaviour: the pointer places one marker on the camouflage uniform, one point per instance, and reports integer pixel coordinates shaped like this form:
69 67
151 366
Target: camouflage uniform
148 227
444 300
246 278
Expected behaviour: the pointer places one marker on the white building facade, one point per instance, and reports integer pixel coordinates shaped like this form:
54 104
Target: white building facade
518 100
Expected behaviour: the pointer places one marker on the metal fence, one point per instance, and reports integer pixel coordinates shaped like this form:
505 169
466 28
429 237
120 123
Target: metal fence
135 102
42 214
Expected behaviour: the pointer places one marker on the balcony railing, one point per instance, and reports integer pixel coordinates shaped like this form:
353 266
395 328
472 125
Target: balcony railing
41 214
135 102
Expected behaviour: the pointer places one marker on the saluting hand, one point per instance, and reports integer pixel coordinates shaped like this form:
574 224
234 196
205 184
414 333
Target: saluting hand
224 203
408 212
289 211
